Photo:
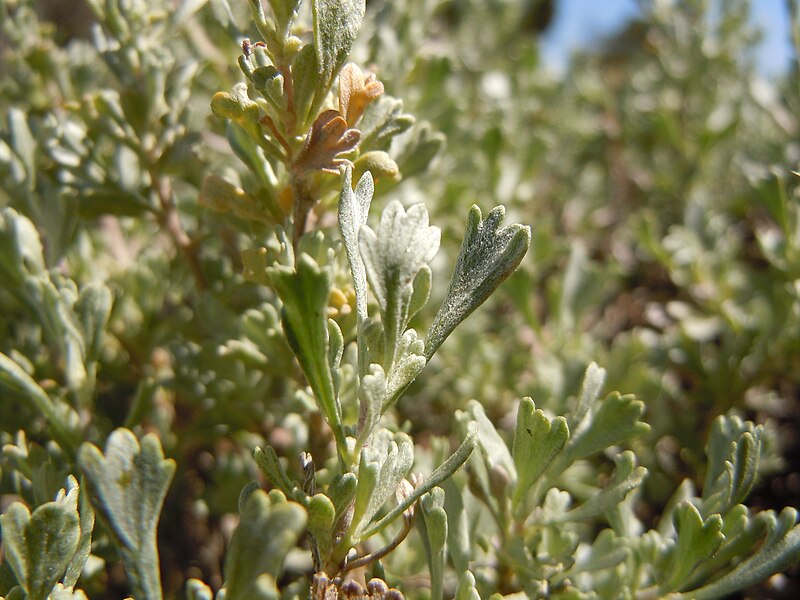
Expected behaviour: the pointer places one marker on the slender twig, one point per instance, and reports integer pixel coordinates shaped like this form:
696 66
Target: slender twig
170 222
366 559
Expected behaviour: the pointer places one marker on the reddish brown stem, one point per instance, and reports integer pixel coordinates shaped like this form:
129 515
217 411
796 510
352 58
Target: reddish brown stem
170 222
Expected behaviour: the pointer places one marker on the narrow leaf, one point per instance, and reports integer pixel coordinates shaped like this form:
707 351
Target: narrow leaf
304 293
353 211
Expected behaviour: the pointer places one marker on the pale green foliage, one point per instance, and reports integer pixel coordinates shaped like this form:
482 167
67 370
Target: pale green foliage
175 284
128 482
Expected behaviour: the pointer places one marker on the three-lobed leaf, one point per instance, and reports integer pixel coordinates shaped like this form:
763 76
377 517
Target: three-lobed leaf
537 441
40 545
127 483
487 257
270 526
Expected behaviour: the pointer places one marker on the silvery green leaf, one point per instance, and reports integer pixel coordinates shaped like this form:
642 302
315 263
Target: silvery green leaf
613 421
23 144
779 551
466 587
371 395
268 463
54 303
285 11
458 533
341 491
607 551
422 291
493 447
84 549
336 26
305 74
93 309
733 452
127 484
434 528
269 527
21 251
409 360
441 474
423 148
268 81
488 256
393 255
304 292
684 492
537 441
39 545
592 385
335 351
321 520
698 540
383 119
62 419
379 164
370 334
627 477
385 462
353 211
186 9
742 534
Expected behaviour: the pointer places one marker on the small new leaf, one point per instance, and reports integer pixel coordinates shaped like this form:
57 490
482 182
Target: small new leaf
733 451
384 464
466 587
537 441
371 395
434 528
614 421
353 211
267 461
441 474
698 539
328 138
393 255
269 528
627 477
592 385
409 360
321 519
779 551
488 256
494 449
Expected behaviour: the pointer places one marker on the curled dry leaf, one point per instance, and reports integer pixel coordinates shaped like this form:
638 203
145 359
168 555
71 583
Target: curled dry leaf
329 136
356 91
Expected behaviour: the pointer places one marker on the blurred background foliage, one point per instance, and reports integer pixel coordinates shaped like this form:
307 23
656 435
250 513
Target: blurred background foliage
656 172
